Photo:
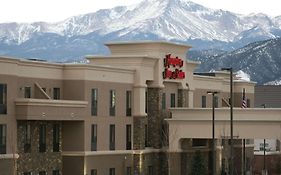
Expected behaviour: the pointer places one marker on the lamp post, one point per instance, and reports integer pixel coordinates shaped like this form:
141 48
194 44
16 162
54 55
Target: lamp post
213 132
229 69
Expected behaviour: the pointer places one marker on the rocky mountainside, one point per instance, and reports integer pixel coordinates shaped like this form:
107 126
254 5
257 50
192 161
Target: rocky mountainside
261 60
176 20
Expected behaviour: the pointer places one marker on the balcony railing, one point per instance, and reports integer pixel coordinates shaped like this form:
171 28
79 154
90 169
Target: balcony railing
47 109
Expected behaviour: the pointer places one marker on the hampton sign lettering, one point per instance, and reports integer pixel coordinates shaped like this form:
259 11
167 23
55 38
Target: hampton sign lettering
172 67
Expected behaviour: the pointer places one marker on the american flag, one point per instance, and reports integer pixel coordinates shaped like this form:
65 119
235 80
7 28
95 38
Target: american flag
244 102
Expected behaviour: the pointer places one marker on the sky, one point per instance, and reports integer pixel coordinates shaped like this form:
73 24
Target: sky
58 10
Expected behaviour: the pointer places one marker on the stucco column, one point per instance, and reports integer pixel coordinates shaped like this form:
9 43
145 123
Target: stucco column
190 98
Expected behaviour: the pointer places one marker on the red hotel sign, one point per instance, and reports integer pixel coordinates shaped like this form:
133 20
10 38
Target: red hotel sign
175 72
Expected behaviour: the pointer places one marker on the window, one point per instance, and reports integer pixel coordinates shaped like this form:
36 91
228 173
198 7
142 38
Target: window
111 171
27 173
163 101
146 101
56 137
216 101
3 99
146 136
112 103
128 103
112 137
199 142
94 109
3 135
27 138
56 172
128 170
42 138
42 173
128 137
27 92
203 101
173 100
94 172
56 93
94 138
266 147
150 170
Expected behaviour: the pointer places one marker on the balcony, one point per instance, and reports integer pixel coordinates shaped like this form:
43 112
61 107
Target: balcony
48 109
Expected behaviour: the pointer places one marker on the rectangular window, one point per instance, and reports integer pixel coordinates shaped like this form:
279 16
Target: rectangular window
128 103
203 101
3 99
42 138
111 171
94 172
216 100
56 93
56 172
128 137
150 170
94 109
27 138
27 173
3 135
56 137
129 170
146 101
112 104
199 142
42 173
94 138
146 136
27 92
112 137
173 100
163 101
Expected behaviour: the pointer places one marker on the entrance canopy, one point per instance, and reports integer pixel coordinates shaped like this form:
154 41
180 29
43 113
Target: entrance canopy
248 123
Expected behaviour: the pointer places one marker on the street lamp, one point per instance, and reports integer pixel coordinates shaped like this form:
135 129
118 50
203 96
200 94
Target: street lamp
229 69
213 132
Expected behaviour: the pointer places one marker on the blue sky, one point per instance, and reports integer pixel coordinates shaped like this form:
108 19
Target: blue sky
57 10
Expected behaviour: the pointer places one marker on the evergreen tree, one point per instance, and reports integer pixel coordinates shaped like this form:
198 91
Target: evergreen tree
198 164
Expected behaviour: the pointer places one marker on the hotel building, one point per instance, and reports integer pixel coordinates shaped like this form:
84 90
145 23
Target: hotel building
109 116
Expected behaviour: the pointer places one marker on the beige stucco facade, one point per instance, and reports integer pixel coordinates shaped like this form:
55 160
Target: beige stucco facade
140 139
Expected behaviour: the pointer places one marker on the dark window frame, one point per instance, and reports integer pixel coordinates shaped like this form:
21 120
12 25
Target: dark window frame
173 100
128 137
56 93
203 101
128 103
112 137
27 92
27 137
112 103
94 102
42 138
3 139
94 137
94 171
111 171
56 137
3 98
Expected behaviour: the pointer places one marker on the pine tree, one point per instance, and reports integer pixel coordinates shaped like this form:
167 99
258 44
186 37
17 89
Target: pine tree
198 164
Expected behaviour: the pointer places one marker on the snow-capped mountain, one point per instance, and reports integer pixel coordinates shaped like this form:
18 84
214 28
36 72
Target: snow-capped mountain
168 19
261 60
